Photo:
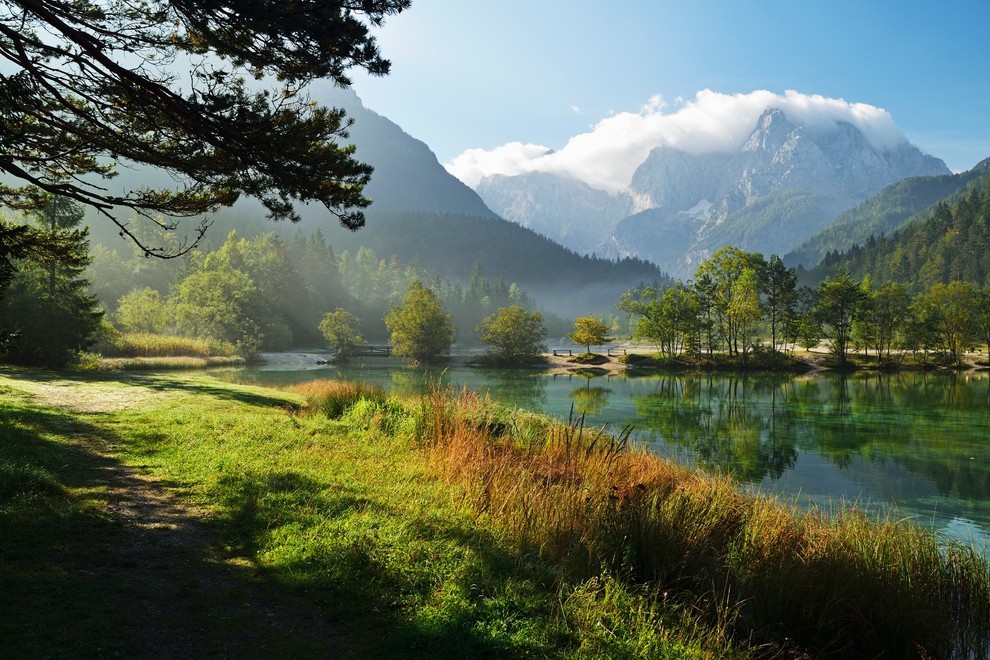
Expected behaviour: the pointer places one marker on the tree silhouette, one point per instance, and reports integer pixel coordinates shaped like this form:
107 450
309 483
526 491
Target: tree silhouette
212 92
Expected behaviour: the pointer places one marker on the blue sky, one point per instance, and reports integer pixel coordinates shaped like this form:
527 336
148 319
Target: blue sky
478 75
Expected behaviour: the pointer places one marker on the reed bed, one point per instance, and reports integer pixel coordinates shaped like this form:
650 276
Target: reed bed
144 345
781 579
164 363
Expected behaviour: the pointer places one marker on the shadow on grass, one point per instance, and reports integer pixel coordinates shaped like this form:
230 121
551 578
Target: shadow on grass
185 382
98 560
378 573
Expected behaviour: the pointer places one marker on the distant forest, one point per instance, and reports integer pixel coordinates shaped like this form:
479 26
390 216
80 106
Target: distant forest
894 207
272 292
952 243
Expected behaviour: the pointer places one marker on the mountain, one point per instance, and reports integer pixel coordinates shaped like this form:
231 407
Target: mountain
895 206
949 242
567 210
421 212
783 185
407 177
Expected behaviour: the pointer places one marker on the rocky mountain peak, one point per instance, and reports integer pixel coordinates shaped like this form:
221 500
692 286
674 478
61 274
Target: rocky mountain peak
773 130
786 181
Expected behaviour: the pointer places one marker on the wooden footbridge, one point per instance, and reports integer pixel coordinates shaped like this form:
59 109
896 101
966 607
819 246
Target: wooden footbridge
372 351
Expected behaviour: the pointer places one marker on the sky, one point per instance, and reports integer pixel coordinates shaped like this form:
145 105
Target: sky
491 86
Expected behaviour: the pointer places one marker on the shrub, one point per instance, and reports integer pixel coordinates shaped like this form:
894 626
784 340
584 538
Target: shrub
334 398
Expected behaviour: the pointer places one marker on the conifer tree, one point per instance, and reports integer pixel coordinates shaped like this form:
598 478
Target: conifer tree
47 314
213 93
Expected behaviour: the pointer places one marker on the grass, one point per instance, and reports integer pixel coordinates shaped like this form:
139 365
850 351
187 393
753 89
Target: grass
149 352
336 520
763 571
161 363
144 345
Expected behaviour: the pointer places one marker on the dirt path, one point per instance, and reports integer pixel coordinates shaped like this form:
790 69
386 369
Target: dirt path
164 561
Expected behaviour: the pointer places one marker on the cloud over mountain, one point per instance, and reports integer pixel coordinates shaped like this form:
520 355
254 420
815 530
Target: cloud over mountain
607 155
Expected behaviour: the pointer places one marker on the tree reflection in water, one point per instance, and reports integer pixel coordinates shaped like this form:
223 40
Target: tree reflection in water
731 423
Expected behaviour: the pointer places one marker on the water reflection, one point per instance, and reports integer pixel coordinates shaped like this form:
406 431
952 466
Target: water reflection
919 442
735 423
590 401
915 442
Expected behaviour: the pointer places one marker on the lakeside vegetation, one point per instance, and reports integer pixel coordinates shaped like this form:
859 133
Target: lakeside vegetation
741 310
425 527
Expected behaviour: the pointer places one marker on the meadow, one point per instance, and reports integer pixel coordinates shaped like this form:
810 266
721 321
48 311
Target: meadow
162 515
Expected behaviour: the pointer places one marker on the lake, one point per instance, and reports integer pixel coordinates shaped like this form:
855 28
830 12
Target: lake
915 445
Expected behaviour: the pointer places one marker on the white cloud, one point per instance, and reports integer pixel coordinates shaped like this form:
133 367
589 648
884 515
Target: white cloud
606 156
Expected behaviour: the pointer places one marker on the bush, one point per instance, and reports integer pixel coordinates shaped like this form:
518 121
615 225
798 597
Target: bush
334 398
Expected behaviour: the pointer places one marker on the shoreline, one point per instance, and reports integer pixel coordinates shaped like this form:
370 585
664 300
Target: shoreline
804 363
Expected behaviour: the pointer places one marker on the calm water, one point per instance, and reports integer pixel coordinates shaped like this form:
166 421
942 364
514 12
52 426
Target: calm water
915 444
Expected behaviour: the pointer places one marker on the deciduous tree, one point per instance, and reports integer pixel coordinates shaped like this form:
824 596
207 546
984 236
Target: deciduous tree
143 310
720 273
340 329
666 319
514 334
836 308
422 329
590 331
951 310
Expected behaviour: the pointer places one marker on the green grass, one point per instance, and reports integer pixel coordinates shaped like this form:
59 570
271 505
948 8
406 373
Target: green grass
336 520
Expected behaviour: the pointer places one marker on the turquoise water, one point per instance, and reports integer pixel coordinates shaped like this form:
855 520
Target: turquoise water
914 445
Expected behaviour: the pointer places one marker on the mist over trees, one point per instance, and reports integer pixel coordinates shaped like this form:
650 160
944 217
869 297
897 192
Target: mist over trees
266 293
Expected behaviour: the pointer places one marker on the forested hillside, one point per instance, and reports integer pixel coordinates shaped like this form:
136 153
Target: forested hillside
951 243
561 280
268 293
898 205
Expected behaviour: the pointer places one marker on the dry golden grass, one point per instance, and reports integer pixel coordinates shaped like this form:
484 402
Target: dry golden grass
581 497
143 345
333 398
164 363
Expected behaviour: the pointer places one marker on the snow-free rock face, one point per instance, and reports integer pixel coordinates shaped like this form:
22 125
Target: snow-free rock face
565 210
779 188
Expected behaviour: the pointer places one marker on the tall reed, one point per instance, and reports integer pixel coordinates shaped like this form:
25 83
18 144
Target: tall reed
143 345
333 398
843 585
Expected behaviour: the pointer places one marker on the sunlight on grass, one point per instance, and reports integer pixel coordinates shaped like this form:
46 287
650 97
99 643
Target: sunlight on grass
449 525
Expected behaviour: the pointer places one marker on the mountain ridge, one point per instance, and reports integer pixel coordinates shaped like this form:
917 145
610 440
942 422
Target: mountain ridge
893 208
685 205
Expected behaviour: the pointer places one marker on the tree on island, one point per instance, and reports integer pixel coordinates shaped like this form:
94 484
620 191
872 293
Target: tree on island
340 329
590 331
514 334
211 93
422 330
